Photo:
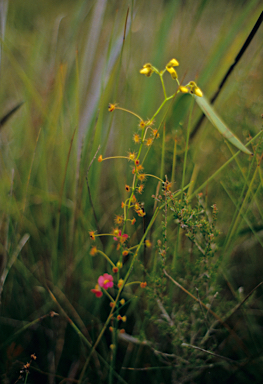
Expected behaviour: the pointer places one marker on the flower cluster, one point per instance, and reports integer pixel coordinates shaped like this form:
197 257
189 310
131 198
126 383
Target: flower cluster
170 68
191 87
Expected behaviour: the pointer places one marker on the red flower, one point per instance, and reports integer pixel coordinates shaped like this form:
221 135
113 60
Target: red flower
121 238
97 291
105 281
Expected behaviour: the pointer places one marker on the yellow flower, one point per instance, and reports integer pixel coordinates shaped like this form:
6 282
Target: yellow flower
148 244
118 219
116 231
120 283
93 251
198 92
136 138
172 72
192 88
112 107
141 212
142 176
149 141
92 235
142 124
147 70
133 199
155 133
195 89
183 89
172 63
140 188
132 156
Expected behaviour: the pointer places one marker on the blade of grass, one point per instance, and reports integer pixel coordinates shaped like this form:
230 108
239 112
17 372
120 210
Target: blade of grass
244 217
221 168
186 147
219 124
12 260
244 177
7 116
174 161
241 205
230 70
163 155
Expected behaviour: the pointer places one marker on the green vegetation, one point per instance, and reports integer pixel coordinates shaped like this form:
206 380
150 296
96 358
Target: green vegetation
131 234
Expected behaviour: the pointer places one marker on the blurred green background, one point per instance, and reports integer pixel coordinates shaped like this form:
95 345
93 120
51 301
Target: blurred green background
66 61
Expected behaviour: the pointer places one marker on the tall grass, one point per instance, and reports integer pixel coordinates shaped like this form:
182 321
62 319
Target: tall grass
200 315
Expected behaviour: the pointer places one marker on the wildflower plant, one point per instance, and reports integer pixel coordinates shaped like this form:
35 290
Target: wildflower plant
175 207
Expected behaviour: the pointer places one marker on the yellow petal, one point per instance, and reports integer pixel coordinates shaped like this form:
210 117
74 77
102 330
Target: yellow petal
173 63
144 71
183 89
147 65
172 72
147 71
198 92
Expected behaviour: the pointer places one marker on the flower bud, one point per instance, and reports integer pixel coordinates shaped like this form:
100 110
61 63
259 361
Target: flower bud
173 63
172 72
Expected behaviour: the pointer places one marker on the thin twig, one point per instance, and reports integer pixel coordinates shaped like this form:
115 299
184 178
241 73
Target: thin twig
210 353
165 314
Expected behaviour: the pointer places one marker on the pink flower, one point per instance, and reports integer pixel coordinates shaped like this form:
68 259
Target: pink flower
121 238
97 291
105 281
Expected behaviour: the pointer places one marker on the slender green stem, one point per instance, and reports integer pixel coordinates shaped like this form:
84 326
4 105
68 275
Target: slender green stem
127 110
163 154
154 177
244 217
174 161
106 257
107 294
159 109
26 377
240 210
164 90
186 145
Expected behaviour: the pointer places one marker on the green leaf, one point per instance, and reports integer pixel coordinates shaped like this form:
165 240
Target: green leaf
219 124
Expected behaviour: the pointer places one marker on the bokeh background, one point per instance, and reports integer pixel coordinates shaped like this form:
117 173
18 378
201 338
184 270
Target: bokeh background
66 61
